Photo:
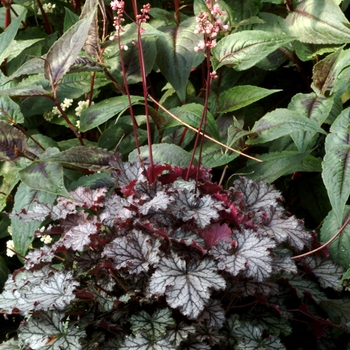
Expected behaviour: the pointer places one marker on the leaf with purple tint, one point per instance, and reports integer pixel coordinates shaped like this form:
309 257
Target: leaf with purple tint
115 208
215 233
12 142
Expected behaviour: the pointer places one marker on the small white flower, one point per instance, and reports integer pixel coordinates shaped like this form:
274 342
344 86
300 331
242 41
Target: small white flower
67 102
55 111
48 8
10 247
46 239
49 115
77 124
82 105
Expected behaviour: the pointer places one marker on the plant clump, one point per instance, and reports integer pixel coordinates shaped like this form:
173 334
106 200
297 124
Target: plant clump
173 264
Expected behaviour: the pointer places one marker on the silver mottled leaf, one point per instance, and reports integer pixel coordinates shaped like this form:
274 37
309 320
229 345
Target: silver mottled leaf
186 285
115 208
143 342
136 252
213 314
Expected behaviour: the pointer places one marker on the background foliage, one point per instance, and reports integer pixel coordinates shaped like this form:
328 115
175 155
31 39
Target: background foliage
280 93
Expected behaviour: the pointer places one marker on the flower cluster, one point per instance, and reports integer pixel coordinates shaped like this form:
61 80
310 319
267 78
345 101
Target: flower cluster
82 105
118 6
144 14
48 8
210 25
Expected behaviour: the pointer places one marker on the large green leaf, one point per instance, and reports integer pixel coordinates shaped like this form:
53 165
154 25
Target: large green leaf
191 114
45 176
318 22
12 142
241 96
278 123
277 164
9 34
339 249
94 159
244 9
10 110
163 153
65 50
105 110
10 178
25 199
176 55
336 164
214 155
313 107
243 50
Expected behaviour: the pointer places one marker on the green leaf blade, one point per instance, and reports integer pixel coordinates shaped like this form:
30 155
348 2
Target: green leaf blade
243 50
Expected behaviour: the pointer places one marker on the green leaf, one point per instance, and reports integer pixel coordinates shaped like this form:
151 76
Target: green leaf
176 55
338 310
278 123
65 50
9 34
105 110
243 50
336 166
4 272
10 110
10 178
94 159
214 155
313 107
191 114
241 96
32 66
318 22
164 153
277 164
244 9
45 176
70 18
154 325
25 199
339 249
23 91
12 141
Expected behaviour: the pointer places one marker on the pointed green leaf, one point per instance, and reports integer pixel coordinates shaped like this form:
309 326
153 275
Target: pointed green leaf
94 159
243 50
45 176
9 34
313 107
176 55
25 199
23 91
70 18
164 153
191 114
318 22
336 163
10 178
339 249
65 50
277 164
244 9
17 46
338 310
213 155
12 141
278 123
10 110
241 96
105 110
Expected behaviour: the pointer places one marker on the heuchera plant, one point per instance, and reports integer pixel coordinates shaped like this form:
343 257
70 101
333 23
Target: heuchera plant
173 264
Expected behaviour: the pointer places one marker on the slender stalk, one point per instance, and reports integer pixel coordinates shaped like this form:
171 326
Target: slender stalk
47 24
145 91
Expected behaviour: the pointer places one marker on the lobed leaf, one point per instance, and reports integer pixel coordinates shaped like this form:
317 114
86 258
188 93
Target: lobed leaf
186 285
144 342
136 252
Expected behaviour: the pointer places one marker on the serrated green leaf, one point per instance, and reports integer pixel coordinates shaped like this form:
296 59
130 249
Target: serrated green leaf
10 111
32 66
336 167
213 155
338 310
45 176
244 9
9 34
10 179
22 91
65 50
243 50
164 153
48 332
175 54
84 157
103 111
241 96
191 114
155 325
17 46
339 249
278 123
313 107
318 22
277 164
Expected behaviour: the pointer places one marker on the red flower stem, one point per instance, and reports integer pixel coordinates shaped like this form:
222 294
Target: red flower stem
48 27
